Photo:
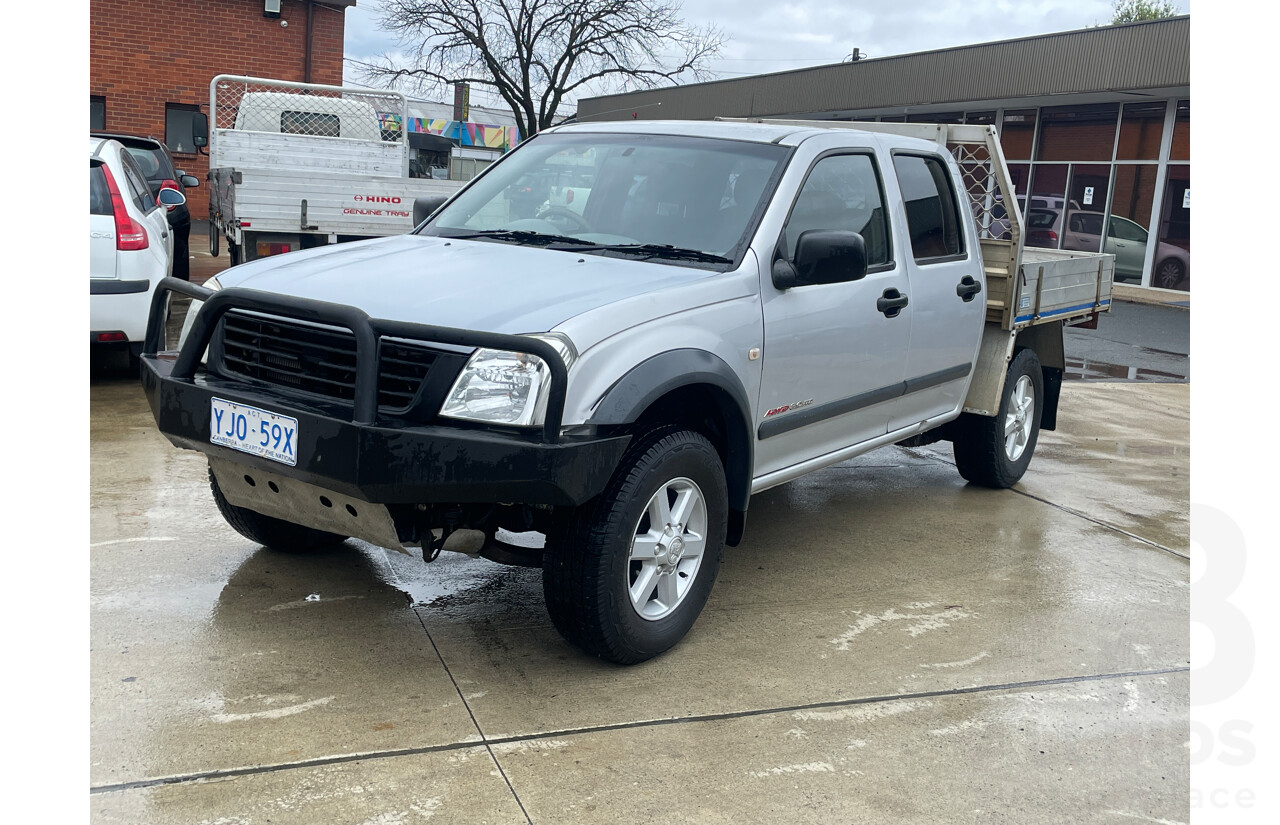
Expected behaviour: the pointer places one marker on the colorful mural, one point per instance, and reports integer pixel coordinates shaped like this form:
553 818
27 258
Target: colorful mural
483 135
480 135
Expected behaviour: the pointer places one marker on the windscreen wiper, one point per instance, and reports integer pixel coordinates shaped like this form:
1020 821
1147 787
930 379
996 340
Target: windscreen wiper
649 251
523 236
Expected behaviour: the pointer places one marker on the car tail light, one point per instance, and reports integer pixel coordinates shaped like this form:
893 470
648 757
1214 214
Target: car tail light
568 196
130 235
1053 236
111 337
265 248
170 184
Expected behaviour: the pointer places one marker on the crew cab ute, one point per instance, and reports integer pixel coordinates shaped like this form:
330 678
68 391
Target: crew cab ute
730 306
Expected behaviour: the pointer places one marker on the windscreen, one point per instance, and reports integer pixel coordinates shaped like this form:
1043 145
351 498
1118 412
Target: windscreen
622 194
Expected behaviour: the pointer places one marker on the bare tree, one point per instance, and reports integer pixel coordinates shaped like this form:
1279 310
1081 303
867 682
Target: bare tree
537 53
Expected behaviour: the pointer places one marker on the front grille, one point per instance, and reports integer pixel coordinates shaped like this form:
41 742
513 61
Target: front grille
318 360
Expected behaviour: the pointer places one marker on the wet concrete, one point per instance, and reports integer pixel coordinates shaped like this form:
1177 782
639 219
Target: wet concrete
1133 342
876 651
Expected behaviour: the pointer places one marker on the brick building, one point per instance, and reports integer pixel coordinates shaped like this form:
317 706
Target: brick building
151 61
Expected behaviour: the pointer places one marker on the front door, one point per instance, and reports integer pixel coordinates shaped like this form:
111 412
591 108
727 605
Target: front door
833 358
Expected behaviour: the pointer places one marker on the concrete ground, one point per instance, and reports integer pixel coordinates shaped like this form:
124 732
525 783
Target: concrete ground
889 645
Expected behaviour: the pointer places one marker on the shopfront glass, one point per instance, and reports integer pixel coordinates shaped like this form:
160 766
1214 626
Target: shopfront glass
1171 268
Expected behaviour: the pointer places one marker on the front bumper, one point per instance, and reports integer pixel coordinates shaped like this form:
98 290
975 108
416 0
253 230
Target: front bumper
368 457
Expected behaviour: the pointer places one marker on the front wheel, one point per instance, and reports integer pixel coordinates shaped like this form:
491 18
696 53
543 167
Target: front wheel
638 563
995 452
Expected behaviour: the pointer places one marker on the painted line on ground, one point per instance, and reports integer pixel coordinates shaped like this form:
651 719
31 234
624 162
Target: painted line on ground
202 776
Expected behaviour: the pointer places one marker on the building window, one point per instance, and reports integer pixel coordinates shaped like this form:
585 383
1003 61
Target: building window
1181 148
97 113
1077 133
1017 133
179 131
1140 130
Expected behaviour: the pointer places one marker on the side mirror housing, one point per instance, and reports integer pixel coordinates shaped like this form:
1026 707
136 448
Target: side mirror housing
171 197
424 208
823 256
200 129
189 180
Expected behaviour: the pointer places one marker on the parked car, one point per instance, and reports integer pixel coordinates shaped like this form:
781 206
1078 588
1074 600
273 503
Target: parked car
1128 242
130 244
1044 226
157 167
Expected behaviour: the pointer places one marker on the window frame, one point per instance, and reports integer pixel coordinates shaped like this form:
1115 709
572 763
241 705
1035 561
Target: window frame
964 252
887 266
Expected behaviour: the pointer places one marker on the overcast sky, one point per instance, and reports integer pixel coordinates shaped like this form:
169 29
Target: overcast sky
769 36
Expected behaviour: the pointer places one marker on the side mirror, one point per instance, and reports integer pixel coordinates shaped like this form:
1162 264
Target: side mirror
189 180
823 256
424 208
200 129
171 197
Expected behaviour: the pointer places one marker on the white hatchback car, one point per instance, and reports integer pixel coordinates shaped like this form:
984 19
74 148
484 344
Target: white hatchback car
130 245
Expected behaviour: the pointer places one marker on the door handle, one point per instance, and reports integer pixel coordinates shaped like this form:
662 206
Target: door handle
967 288
891 302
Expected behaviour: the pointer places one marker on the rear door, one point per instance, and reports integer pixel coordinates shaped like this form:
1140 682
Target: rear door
102 225
948 293
833 360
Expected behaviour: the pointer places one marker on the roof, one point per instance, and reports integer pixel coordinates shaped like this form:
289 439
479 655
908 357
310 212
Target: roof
1114 62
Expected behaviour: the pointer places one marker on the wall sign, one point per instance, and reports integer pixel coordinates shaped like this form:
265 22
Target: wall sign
1088 196
1186 198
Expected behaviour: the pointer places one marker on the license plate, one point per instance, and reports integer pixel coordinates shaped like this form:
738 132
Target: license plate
251 430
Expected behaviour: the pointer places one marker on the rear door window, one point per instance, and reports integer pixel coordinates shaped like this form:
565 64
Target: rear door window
310 123
99 195
932 215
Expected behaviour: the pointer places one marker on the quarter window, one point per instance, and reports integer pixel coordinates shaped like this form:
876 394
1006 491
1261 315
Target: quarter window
842 192
932 215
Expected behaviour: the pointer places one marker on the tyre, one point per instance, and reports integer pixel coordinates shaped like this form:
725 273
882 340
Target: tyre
271 532
637 563
233 254
1169 273
995 452
215 238
182 254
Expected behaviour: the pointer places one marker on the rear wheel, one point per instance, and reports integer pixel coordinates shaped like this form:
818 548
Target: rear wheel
638 563
271 532
995 452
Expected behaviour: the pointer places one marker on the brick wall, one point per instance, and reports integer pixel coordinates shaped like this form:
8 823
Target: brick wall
146 53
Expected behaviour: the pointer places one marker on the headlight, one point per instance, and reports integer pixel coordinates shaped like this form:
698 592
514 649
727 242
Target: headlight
192 309
503 387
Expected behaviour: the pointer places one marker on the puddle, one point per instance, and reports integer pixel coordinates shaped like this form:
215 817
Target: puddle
1087 369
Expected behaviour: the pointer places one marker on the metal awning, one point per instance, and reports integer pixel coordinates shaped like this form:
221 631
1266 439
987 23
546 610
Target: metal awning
429 142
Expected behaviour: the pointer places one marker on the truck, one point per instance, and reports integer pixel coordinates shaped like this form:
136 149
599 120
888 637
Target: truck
298 165
737 304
